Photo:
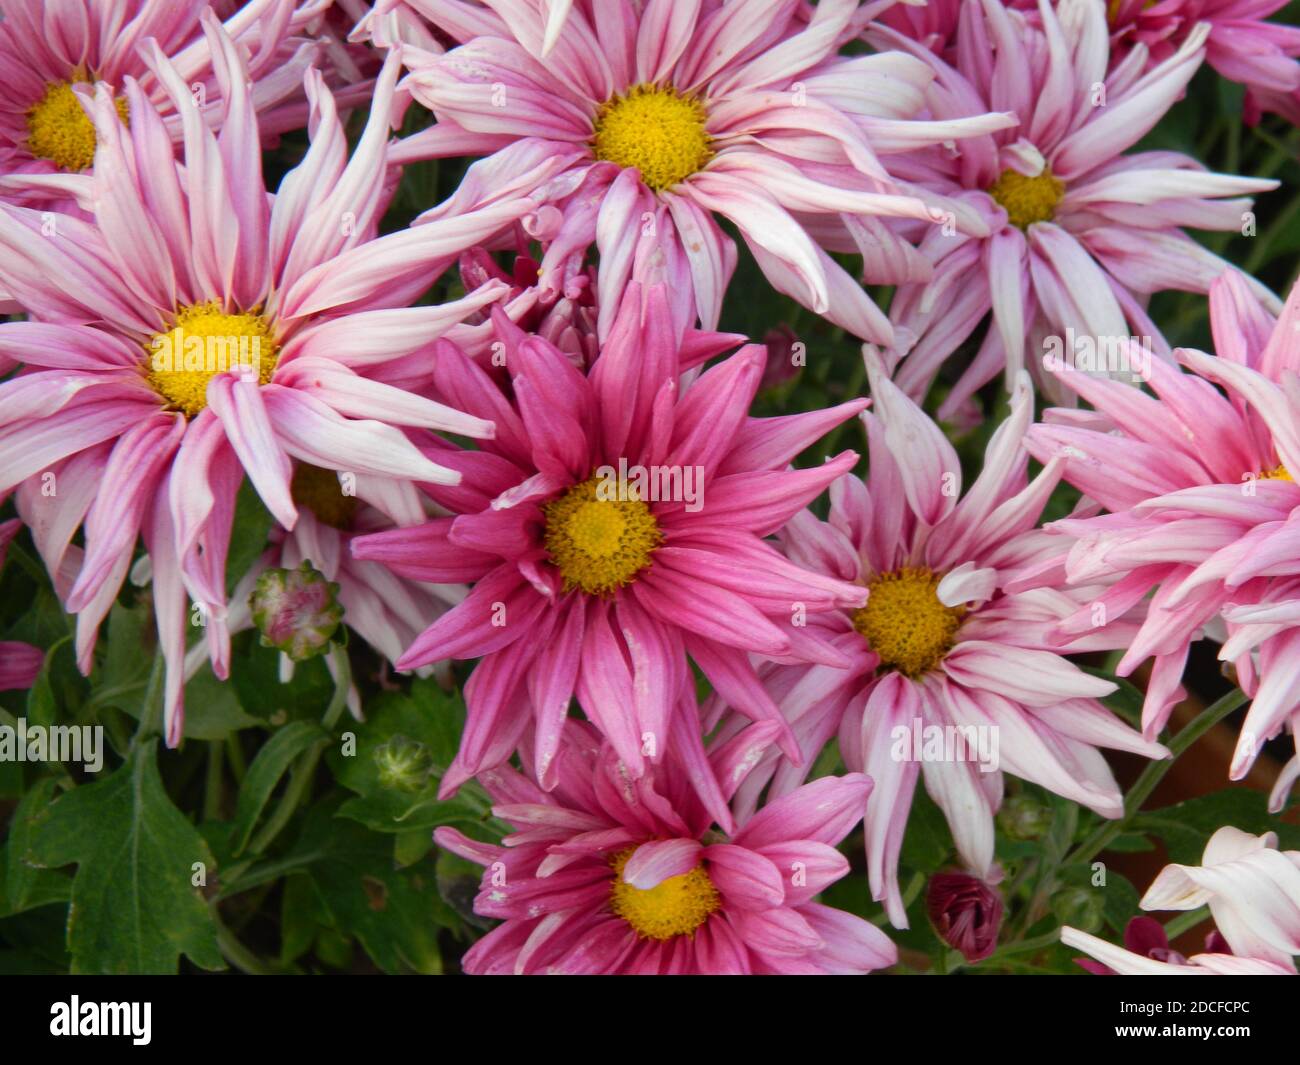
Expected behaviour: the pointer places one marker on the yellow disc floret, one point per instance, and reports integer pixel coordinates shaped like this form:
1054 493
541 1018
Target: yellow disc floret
599 544
1277 473
320 492
204 342
1028 199
904 621
58 128
673 907
655 129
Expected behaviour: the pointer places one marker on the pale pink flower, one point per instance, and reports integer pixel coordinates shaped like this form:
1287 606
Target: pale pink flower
613 527
671 114
136 446
1201 497
941 644
1241 45
1081 234
1253 892
54 57
610 875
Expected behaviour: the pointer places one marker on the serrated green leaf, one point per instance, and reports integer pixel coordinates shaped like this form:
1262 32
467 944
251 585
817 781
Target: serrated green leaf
133 907
27 886
394 913
1186 827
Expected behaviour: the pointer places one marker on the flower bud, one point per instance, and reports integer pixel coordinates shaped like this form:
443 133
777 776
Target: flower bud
1024 817
966 913
1079 907
403 763
296 610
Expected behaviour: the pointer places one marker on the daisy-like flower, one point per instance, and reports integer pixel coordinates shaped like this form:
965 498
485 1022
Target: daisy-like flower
1242 46
610 875
613 526
198 329
740 111
52 57
1080 233
1200 494
1253 892
20 663
942 651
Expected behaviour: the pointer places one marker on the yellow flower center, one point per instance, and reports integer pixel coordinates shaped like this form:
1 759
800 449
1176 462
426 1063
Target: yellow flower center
59 129
904 621
675 907
320 492
599 544
1028 199
204 342
1277 473
657 130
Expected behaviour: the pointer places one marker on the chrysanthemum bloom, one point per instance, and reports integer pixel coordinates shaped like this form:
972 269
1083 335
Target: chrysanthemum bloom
1253 891
1081 234
197 330
50 53
946 663
1241 45
20 663
609 875
1201 497
613 526
740 111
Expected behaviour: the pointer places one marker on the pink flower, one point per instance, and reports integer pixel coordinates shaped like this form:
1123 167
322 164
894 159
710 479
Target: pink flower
945 660
198 330
1080 233
54 58
1201 497
20 663
667 116
1241 45
613 526
606 874
1253 892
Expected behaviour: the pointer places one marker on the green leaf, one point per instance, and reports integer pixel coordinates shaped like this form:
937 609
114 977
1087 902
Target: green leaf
275 757
428 716
26 886
394 913
133 907
248 534
1187 826
927 842
260 693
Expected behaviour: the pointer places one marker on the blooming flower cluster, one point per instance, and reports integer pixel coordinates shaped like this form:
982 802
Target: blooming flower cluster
259 375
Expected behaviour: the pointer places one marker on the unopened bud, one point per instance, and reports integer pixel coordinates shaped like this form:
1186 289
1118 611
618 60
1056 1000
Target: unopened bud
296 610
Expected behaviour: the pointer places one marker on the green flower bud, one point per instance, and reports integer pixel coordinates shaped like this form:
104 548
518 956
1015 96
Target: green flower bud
1024 817
403 763
1079 907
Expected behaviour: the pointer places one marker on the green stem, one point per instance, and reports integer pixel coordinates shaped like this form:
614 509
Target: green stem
236 953
304 771
212 785
1185 921
151 707
1155 772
